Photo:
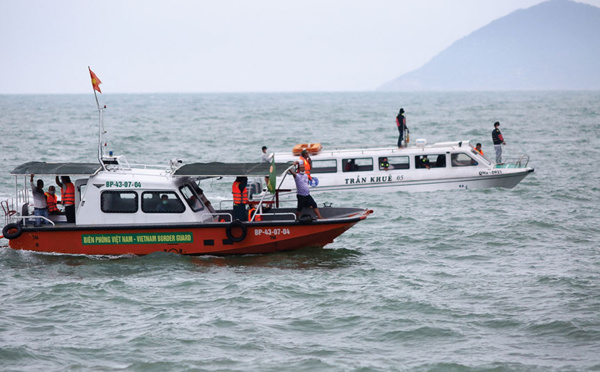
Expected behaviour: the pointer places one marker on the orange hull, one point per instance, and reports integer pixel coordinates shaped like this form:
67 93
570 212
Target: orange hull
185 239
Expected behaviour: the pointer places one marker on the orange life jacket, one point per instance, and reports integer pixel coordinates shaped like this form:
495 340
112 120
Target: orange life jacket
479 151
239 197
306 167
51 200
67 192
251 212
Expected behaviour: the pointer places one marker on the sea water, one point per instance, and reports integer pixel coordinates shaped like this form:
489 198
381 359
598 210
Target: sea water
471 280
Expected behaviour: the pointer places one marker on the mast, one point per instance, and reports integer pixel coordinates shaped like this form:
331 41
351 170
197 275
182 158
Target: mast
96 87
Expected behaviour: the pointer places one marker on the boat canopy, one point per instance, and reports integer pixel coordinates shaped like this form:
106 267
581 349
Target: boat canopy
43 168
217 169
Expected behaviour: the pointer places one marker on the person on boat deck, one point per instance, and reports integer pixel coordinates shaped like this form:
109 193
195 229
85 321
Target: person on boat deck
163 206
385 164
40 206
67 192
265 158
425 162
307 162
52 200
351 166
498 142
303 192
240 198
402 129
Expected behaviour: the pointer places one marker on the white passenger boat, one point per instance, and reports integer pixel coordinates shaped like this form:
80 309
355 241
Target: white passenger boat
420 167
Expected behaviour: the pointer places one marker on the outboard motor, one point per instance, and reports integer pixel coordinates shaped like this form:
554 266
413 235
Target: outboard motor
254 188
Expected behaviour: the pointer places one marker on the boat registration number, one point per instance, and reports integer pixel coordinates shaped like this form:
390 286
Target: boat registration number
486 173
123 184
259 232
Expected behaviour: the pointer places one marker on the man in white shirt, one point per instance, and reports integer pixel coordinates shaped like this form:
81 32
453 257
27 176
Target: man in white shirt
265 158
303 192
40 204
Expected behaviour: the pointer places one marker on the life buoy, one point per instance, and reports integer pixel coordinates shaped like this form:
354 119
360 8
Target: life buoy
12 231
233 225
297 150
314 148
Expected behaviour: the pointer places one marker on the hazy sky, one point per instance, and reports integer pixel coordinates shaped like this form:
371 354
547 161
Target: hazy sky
227 45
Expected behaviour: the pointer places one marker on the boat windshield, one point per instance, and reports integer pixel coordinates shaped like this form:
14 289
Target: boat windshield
191 198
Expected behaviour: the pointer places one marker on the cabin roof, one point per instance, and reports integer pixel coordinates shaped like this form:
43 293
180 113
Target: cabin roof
43 168
217 169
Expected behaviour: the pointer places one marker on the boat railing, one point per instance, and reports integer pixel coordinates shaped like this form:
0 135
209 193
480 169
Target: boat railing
16 219
8 208
516 162
218 215
290 214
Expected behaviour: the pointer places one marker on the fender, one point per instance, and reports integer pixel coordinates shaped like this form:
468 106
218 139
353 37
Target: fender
236 224
12 231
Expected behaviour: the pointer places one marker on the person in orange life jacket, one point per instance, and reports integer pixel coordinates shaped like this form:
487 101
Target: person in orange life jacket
302 191
240 198
478 149
67 192
40 206
52 200
401 124
307 162
498 140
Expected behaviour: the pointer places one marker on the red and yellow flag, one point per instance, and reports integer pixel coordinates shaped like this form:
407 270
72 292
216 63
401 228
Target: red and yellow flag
95 81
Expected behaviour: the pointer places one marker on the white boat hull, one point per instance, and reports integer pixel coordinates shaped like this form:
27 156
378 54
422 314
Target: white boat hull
475 171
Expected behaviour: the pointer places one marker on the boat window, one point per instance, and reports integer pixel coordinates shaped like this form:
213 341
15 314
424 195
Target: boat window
430 161
161 202
191 198
119 202
324 166
357 165
462 160
393 162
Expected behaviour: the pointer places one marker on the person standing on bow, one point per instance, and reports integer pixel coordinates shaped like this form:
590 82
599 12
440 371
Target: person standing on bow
498 142
402 128
52 200
40 206
240 198
303 192
67 192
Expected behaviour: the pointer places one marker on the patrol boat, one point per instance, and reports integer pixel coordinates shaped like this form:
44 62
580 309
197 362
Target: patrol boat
420 167
120 211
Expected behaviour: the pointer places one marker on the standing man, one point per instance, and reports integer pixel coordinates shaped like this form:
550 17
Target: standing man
40 206
401 124
498 142
67 192
302 191
265 158
240 198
